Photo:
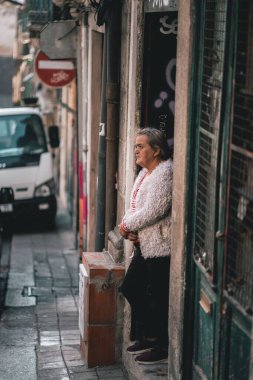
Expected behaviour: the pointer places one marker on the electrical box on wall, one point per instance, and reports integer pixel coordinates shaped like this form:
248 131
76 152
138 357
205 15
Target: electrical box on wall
100 307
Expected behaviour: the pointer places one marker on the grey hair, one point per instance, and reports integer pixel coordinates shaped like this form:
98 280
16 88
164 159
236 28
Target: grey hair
157 140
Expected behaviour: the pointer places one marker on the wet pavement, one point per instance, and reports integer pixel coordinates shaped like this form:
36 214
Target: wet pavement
39 332
5 240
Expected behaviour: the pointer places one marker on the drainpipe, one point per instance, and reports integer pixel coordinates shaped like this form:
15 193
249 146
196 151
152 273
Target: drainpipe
85 121
82 133
112 100
100 209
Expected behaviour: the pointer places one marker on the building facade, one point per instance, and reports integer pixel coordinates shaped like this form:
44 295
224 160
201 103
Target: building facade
186 68
8 15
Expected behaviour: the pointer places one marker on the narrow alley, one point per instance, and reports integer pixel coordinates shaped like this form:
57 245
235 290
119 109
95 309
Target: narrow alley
39 331
131 123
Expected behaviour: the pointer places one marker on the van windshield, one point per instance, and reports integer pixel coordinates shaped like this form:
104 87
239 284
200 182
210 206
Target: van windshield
21 135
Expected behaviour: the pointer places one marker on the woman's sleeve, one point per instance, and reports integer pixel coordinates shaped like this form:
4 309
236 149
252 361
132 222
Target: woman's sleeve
157 204
128 212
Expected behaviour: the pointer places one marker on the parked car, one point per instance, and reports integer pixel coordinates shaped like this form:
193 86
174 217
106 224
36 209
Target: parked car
27 186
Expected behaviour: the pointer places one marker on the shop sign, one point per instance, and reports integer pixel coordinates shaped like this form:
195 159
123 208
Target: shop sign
160 5
58 40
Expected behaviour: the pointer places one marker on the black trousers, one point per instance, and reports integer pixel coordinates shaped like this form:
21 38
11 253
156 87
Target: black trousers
146 288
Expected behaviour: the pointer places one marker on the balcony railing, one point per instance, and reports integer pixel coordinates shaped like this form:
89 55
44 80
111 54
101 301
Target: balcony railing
40 12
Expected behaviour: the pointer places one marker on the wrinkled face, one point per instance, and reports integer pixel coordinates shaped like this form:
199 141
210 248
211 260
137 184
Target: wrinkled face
145 156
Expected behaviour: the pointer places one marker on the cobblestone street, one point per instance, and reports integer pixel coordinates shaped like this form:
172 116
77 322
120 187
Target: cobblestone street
39 330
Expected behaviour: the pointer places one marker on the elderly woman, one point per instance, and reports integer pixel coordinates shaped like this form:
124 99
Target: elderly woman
147 224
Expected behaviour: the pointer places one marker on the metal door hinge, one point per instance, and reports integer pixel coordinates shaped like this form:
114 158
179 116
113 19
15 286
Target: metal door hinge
205 302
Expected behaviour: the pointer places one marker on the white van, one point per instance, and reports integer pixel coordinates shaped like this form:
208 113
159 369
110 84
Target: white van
26 168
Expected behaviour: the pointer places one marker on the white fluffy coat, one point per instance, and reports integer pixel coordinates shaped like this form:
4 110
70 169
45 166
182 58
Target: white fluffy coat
152 217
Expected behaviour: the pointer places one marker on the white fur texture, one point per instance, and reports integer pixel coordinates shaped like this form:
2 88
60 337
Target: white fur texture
152 217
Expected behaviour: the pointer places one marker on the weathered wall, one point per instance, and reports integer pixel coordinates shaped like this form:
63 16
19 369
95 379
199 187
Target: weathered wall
125 174
177 276
8 16
115 243
130 121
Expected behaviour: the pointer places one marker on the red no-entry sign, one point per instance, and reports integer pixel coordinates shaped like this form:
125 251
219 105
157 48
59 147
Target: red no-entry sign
54 73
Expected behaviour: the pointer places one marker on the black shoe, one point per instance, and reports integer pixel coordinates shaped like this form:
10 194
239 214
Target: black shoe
139 347
156 355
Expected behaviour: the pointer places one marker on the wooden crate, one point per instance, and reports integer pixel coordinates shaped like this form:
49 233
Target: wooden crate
98 308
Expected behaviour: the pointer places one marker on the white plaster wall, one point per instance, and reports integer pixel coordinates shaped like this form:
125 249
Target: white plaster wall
8 17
